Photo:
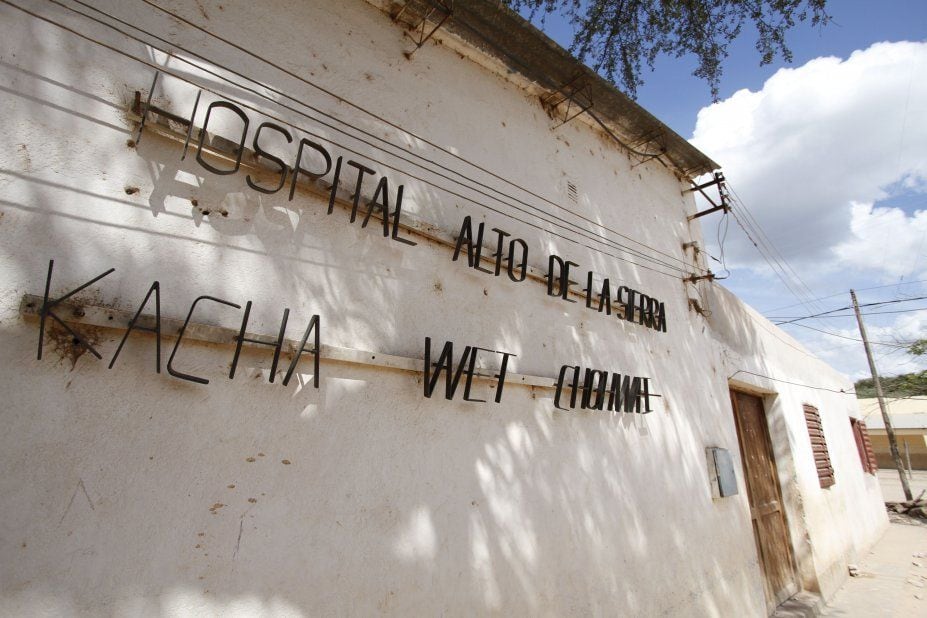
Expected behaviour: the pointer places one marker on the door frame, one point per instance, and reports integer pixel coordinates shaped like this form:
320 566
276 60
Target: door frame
794 586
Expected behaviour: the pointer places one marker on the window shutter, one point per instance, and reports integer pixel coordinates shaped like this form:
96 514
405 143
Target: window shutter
870 454
860 445
864 446
819 446
873 467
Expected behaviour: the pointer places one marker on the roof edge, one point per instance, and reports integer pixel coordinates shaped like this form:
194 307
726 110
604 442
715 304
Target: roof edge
492 28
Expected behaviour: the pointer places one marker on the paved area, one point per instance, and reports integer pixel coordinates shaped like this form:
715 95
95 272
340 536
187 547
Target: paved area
892 579
891 484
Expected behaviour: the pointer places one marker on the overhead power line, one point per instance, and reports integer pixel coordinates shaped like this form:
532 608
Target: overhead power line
896 456
835 294
476 185
790 319
827 332
898 311
763 245
330 141
850 315
341 100
773 257
811 386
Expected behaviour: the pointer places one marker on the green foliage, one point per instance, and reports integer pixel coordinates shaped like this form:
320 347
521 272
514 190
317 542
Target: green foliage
618 36
918 348
905 385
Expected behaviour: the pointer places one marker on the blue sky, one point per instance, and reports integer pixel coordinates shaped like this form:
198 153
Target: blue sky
857 24
674 96
829 155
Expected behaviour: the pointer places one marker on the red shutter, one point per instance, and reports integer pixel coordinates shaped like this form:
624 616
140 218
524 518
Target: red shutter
864 446
860 445
867 444
819 446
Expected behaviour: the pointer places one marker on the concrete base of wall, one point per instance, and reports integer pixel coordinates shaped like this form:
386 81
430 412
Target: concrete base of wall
802 605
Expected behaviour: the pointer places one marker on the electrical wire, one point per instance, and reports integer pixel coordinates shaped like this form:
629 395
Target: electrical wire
777 270
328 140
890 302
835 294
851 315
873 304
801 290
779 334
842 346
769 253
894 345
578 229
762 245
888 353
898 311
379 118
817 388
826 315
722 237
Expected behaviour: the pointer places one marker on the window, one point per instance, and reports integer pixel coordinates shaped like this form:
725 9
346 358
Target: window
864 446
819 446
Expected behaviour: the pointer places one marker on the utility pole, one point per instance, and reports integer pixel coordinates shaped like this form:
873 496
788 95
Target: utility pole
893 445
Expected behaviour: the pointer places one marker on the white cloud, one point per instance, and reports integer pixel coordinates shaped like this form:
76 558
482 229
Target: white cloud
819 138
893 361
889 337
886 240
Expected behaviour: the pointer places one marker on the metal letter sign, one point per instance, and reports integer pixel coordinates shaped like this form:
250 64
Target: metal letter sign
47 311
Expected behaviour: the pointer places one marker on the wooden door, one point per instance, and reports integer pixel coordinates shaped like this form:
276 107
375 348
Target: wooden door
765 496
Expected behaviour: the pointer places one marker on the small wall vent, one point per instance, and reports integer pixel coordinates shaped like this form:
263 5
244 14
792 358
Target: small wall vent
572 192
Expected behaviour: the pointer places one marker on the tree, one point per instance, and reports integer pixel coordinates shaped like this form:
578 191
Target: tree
618 36
905 385
918 348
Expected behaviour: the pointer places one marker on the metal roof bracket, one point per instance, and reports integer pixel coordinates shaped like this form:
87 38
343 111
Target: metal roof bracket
725 204
420 33
576 96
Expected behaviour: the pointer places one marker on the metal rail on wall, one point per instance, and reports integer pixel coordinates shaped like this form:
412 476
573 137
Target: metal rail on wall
100 316
249 161
163 123
553 220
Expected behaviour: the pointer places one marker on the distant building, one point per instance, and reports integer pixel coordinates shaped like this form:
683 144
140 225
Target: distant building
909 420
409 317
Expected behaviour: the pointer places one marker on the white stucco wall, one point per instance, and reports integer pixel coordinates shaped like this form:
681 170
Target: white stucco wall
830 527
126 491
